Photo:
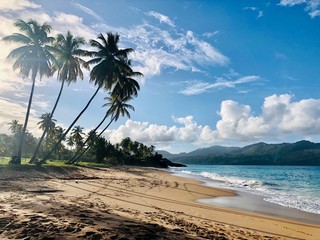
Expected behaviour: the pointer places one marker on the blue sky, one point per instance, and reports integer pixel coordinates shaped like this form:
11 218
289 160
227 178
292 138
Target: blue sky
215 72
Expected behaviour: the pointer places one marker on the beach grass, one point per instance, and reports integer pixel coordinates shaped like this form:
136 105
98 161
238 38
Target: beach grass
25 165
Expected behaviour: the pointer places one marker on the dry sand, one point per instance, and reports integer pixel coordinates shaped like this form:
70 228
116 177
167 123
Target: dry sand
127 203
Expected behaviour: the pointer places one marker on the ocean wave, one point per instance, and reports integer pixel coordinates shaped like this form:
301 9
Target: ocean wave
270 191
230 181
297 202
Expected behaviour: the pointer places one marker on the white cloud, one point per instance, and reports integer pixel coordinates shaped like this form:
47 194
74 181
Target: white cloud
238 123
162 18
62 22
210 34
14 90
15 5
198 87
291 2
312 6
143 131
88 11
158 48
255 9
17 112
281 118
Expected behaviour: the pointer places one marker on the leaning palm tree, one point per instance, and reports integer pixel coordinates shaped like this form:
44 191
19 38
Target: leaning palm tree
34 57
109 65
124 88
68 55
116 109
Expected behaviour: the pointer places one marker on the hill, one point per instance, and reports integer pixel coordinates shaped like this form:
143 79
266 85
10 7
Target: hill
302 153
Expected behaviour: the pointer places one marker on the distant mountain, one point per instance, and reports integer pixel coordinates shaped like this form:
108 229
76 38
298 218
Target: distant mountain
214 150
302 153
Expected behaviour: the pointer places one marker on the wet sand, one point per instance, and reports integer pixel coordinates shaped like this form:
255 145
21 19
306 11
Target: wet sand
128 203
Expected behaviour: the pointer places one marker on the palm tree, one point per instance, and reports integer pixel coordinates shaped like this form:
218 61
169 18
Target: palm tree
16 129
117 108
109 66
15 126
47 124
124 87
35 57
68 55
77 136
56 135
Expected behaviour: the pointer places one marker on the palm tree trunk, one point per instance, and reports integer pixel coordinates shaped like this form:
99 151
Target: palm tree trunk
67 131
88 138
33 159
18 157
77 158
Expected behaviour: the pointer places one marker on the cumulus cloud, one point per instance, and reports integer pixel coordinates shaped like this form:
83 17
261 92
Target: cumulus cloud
198 87
281 118
144 132
312 6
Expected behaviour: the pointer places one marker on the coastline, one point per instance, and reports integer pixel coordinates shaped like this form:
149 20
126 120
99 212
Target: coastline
250 202
132 202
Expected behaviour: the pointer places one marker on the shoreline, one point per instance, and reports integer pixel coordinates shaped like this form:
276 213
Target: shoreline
132 203
254 203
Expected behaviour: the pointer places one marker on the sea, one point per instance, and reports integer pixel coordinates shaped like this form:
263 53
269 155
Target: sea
296 187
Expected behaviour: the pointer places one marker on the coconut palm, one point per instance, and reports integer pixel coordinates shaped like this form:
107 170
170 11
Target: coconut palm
15 126
77 136
116 109
34 57
47 124
68 55
124 88
56 135
110 64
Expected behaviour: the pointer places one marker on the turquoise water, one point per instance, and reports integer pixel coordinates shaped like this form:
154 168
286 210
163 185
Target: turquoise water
289 186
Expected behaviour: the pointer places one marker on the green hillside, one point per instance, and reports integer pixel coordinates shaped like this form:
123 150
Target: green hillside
303 153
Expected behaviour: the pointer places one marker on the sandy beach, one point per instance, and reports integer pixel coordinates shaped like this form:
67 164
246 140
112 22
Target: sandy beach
128 203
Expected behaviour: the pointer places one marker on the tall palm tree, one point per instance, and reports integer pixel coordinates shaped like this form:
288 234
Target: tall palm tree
116 109
109 66
47 124
68 53
35 57
124 88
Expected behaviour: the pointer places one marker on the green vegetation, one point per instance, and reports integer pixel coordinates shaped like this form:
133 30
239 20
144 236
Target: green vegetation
43 55
303 153
98 152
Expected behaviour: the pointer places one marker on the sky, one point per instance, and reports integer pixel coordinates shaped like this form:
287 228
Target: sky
222 72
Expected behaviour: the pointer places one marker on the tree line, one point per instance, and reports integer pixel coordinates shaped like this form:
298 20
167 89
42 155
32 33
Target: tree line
76 148
42 55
